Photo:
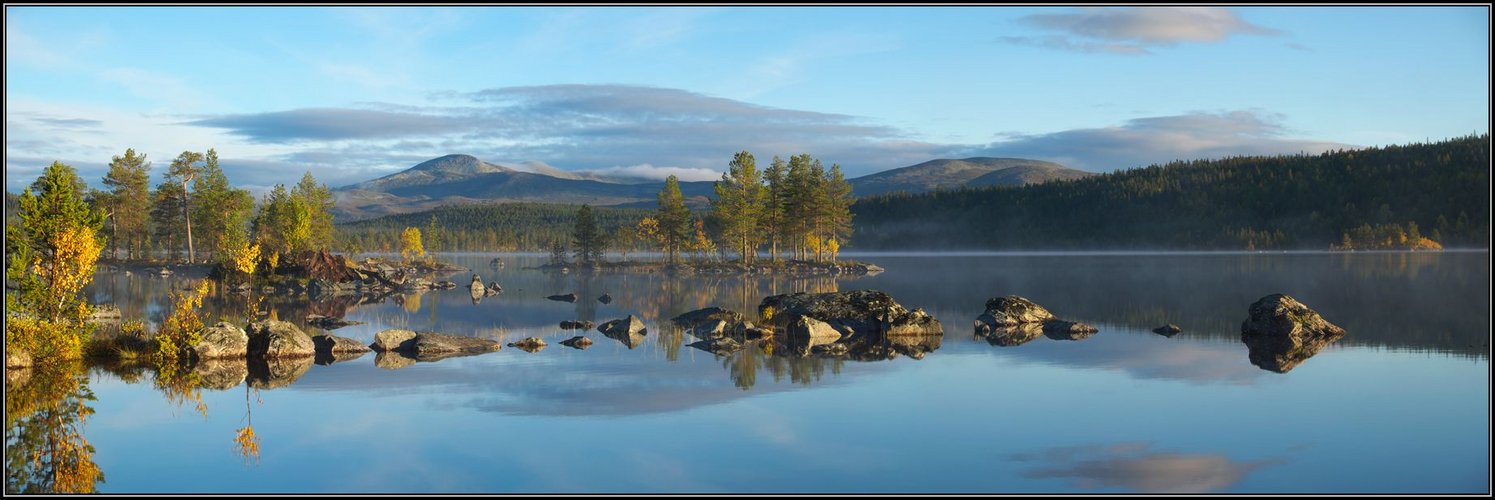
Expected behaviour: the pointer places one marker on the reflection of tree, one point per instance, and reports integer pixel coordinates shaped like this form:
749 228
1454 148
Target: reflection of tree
180 385
246 443
45 451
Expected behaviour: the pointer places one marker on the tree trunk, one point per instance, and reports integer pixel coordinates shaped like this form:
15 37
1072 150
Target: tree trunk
186 215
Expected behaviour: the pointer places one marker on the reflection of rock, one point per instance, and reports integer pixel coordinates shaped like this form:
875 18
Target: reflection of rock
391 360
221 374
274 373
438 344
1167 330
576 325
329 323
279 339
914 346
325 358
16 358
718 346
476 289
577 342
865 312
605 299
1059 329
393 339
570 297
1016 335
1282 332
700 316
328 344
626 326
529 344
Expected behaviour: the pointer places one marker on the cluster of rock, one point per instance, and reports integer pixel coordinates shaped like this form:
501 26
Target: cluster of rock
477 290
325 274
428 346
860 324
721 331
1014 320
268 353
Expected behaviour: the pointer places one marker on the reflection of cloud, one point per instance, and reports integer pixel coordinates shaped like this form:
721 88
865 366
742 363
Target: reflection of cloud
1133 467
1128 30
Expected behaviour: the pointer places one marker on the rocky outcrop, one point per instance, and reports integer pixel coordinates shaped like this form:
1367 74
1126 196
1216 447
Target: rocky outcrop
1281 332
222 340
278 339
864 312
1167 330
576 325
1011 310
577 342
438 343
1009 319
529 344
328 344
570 297
699 316
393 340
814 329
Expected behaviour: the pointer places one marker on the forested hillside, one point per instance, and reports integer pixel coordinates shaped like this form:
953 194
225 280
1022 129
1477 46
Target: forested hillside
491 227
1362 199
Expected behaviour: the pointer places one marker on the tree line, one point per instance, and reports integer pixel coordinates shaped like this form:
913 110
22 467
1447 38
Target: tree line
1368 198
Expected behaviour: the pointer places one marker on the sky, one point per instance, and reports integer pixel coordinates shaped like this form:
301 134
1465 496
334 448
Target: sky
354 93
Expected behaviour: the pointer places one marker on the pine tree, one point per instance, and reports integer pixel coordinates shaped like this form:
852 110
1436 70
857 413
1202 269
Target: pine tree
674 219
319 203
51 252
183 170
772 219
739 205
128 181
587 239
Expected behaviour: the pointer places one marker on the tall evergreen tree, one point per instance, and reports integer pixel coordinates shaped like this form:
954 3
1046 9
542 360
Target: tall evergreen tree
587 238
772 219
739 205
51 253
674 219
837 209
167 224
319 203
221 210
183 170
128 181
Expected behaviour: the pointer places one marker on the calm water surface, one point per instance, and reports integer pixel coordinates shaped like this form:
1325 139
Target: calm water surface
1400 405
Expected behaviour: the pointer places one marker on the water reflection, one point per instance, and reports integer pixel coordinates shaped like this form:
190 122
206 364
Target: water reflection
45 411
1136 467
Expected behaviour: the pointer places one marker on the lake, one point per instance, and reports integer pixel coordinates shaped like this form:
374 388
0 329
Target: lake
1399 405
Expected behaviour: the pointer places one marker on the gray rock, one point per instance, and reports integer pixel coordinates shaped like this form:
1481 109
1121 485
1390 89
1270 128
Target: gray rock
577 342
529 344
1281 333
1014 310
394 340
865 312
709 314
626 326
1167 330
710 329
814 329
328 344
1059 329
746 331
570 297
605 299
279 339
437 343
576 325
222 340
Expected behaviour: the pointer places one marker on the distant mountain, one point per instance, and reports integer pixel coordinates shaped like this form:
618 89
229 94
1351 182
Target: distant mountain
464 179
950 174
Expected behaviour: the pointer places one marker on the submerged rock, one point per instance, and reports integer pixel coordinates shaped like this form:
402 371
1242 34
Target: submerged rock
493 289
577 342
605 299
1011 336
329 323
438 343
1282 332
394 340
570 297
699 316
864 312
1167 330
1010 311
328 344
719 346
710 329
628 326
529 344
222 340
1059 329
279 339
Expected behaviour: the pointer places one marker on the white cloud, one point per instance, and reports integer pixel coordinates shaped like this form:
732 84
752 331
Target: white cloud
1131 30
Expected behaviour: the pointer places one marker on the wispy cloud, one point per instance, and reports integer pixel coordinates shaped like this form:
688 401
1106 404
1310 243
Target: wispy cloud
1159 139
1135 467
1133 30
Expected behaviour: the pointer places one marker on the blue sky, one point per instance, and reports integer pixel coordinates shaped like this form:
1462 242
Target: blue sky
355 93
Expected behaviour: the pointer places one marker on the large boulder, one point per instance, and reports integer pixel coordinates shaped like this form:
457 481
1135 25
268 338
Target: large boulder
1282 332
626 326
438 343
699 316
864 312
813 329
393 339
279 339
1013 310
222 340
577 342
605 298
105 314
